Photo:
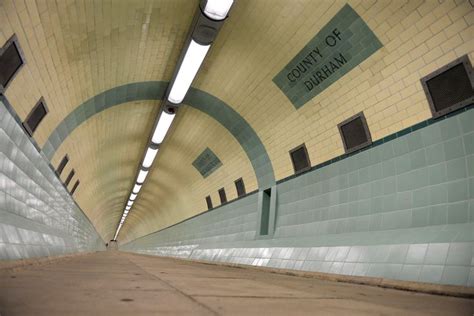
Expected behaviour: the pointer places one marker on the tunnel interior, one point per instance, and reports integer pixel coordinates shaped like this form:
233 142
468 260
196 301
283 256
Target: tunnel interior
333 139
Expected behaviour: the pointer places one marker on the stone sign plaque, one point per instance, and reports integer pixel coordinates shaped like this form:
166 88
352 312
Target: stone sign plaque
207 162
341 45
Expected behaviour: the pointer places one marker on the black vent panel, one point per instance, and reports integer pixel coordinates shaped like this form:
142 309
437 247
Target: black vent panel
450 87
35 117
10 62
300 159
69 177
208 202
75 187
62 164
355 133
240 187
222 196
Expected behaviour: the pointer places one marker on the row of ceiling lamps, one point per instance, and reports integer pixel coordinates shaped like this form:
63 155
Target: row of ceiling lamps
208 20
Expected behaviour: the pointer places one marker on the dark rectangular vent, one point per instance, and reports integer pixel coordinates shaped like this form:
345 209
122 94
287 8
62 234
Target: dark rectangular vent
62 164
35 117
11 61
69 177
450 87
265 215
355 133
75 187
300 159
222 196
209 202
240 187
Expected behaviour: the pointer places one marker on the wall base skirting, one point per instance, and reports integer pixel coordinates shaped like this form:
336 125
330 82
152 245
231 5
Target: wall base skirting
419 287
15 265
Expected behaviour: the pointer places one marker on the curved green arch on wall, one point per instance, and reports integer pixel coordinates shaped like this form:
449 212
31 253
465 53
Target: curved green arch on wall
155 90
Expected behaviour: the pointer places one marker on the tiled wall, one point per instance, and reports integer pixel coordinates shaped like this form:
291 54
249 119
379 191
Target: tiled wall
37 215
403 209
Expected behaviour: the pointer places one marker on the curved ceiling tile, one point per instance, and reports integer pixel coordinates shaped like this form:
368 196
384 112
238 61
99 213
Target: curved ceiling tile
175 190
75 50
105 152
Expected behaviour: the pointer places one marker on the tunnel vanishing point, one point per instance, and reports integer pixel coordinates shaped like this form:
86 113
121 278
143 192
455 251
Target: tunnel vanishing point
236 157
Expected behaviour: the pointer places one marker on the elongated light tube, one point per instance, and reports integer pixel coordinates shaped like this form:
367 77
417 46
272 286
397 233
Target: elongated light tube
118 230
149 157
142 176
137 188
217 9
162 127
188 70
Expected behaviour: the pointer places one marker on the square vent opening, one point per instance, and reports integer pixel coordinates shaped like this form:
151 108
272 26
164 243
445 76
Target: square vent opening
35 117
240 187
355 133
11 61
75 187
300 159
222 196
69 177
209 202
62 164
450 87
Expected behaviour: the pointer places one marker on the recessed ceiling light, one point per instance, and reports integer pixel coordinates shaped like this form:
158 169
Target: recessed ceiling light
162 127
149 156
142 175
188 70
137 188
217 9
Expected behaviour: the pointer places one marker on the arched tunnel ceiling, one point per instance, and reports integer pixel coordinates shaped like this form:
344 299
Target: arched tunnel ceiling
76 50
174 189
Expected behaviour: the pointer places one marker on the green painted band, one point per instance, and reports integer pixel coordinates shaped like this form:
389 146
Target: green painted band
155 90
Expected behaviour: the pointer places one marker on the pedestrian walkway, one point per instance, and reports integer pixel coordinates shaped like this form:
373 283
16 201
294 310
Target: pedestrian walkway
117 283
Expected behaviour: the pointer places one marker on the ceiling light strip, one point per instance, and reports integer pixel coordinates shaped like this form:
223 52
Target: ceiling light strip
210 16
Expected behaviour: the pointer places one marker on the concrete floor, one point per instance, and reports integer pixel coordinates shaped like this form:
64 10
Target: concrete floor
114 283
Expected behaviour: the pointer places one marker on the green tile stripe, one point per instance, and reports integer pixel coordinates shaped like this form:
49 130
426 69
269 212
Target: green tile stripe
207 162
155 90
341 45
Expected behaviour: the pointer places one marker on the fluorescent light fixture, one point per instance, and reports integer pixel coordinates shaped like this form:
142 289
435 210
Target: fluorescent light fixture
130 203
150 155
142 176
127 208
133 197
161 129
137 188
217 9
188 70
